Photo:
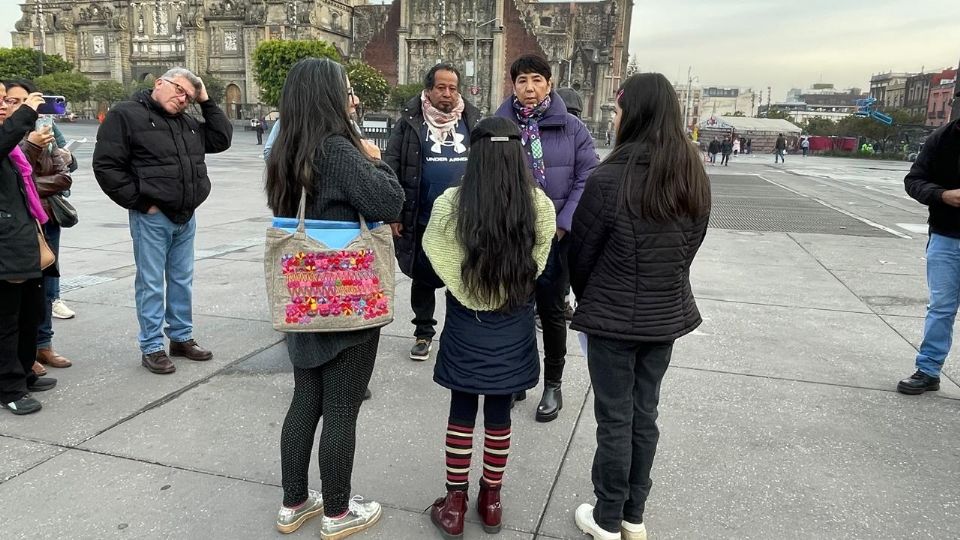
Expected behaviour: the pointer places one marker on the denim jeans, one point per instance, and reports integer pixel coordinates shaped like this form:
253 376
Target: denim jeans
51 285
626 377
163 252
943 279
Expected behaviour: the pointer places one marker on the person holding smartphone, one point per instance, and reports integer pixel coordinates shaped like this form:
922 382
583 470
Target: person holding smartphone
21 278
52 177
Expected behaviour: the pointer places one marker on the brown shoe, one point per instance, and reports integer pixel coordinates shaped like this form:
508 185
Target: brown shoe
38 369
51 358
158 363
447 514
190 350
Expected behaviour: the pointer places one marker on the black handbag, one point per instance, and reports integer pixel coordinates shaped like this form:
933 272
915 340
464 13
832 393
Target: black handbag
63 212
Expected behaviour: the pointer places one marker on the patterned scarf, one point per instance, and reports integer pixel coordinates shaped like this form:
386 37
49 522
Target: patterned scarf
529 118
439 123
26 173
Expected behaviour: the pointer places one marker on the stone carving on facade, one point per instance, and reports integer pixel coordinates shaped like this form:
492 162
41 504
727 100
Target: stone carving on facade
228 9
95 12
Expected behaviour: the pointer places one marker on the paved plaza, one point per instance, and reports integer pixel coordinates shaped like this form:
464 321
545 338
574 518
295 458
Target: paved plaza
779 416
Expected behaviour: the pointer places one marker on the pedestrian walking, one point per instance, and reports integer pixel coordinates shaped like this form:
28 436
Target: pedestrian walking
934 180
805 145
640 222
726 148
488 240
561 155
149 159
736 146
428 151
258 128
318 150
21 275
713 149
51 175
780 149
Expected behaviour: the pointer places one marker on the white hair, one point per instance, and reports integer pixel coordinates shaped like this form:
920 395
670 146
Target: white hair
186 74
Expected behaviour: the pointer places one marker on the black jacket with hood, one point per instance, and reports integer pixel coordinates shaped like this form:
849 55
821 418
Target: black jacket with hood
146 156
937 169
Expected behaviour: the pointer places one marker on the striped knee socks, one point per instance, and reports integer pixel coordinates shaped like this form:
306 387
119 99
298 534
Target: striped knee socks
459 450
496 448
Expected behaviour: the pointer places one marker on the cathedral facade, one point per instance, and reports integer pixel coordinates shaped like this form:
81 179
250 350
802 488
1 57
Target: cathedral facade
585 41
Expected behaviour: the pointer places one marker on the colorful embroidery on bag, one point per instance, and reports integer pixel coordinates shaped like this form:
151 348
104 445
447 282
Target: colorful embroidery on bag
333 284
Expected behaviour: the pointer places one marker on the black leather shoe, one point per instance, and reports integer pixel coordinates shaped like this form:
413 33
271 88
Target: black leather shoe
550 403
918 383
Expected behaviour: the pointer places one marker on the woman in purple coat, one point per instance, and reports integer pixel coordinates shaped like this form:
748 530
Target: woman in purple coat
561 156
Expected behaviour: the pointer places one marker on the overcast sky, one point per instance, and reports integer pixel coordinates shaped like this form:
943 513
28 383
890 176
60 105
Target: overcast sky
762 43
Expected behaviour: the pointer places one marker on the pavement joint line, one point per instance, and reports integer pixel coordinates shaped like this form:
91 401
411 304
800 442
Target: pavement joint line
841 210
821 181
878 315
802 381
766 304
563 460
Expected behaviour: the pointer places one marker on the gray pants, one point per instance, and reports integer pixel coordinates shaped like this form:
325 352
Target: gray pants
626 378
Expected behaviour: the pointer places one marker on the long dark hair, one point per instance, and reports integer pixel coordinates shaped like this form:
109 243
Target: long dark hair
313 106
676 184
497 218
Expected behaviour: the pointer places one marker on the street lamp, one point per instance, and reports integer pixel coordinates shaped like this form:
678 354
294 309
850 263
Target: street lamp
689 97
41 26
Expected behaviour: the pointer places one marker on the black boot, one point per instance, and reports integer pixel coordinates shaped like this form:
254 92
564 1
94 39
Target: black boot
550 403
517 396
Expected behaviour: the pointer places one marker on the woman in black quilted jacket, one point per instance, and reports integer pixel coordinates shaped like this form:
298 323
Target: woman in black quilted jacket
640 222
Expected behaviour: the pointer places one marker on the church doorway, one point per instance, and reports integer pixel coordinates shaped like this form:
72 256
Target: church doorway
234 102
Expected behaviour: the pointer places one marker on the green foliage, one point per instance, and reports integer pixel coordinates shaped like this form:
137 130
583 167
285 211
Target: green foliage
820 126
216 87
25 64
108 92
136 86
73 86
779 114
368 85
272 61
400 95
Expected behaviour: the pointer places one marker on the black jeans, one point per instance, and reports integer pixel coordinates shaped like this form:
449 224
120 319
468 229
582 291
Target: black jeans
423 291
334 391
551 300
464 408
725 159
626 378
21 310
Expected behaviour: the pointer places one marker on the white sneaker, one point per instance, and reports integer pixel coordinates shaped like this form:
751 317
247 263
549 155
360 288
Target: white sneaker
585 522
633 531
61 311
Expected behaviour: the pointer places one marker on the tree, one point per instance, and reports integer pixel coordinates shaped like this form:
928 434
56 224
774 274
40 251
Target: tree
216 87
272 61
778 114
368 85
400 95
71 85
108 92
25 64
820 126
632 67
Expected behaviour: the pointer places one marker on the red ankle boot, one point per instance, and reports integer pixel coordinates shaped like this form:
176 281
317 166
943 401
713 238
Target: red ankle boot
489 507
447 513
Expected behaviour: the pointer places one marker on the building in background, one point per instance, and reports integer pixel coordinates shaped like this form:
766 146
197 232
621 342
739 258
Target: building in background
585 41
822 100
729 101
691 101
941 101
889 89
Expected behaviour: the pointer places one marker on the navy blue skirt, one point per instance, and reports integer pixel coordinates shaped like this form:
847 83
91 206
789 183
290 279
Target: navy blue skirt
487 352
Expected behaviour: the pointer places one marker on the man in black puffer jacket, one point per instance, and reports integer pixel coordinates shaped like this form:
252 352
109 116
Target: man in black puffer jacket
150 160
934 180
428 151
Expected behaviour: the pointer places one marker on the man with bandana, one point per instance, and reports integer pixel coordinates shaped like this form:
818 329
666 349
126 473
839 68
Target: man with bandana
561 157
428 151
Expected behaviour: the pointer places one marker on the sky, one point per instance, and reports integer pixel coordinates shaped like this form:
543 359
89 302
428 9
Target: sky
782 44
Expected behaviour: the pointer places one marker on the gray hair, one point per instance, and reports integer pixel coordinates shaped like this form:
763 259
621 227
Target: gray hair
186 74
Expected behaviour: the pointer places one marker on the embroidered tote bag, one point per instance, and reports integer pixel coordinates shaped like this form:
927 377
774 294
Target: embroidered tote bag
328 276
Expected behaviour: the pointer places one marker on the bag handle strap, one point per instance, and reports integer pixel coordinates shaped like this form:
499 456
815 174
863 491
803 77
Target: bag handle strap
302 212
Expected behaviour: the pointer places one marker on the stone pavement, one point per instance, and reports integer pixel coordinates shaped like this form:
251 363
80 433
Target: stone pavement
779 416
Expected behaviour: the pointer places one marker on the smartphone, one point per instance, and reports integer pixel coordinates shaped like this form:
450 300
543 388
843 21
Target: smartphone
53 105
44 121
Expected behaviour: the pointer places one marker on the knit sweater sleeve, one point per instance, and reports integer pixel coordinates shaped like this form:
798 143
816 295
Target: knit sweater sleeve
369 186
546 228
440 242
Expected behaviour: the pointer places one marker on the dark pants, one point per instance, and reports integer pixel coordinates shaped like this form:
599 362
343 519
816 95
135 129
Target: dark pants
21 308
51 285
725 159
334 391
259 137
551 301
423 291
626 378
464 408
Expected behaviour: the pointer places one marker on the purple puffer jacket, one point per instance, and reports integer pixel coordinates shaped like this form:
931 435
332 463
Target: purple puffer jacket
568 155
